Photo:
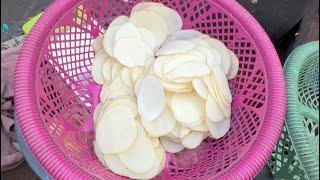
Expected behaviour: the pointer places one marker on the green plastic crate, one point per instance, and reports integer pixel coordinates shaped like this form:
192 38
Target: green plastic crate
296 155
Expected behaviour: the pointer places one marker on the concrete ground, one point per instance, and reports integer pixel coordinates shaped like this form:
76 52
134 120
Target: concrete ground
14 13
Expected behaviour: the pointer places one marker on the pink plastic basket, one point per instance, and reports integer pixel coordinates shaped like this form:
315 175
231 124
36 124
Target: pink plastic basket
55 95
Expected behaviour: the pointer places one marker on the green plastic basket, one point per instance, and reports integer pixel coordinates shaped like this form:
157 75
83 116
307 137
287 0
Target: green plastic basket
296 155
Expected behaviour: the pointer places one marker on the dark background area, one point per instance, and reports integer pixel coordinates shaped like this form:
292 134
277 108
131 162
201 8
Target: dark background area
289 23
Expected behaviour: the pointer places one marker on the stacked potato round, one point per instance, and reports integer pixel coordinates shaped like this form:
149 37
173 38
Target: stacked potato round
163 89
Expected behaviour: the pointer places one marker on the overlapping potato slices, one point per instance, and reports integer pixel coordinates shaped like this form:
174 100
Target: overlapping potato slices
164 89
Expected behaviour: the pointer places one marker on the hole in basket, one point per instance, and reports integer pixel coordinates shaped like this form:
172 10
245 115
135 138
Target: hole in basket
285 152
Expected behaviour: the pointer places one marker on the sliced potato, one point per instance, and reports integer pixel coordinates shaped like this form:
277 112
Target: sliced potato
158 64
216 58
141 151
162 156
171 146
218 130
119 20
176 61
176 132
96 112
192 140
209 84
153 22
177 87
188 107
200 87
149 64
132 52
175 47
168 97
155 141
213 111
202 127
184 131
115 165
97 44
116 131
136 72
199 42
102 110
222 49
106 70
125 74
162 125
97 67
125 101
116 67
221 81
149 38
184 34
151 98
137 85
108 39
143 5
171 17
98 153
233 71
188 70
127 30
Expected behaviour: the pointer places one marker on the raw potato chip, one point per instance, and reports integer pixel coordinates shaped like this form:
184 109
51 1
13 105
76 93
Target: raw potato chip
213 111
119 20
200 127
149 38
117 130
153 22
106 70
176 87
143 5
225 57
192 140
97 67
234 66
97 44
136 72
127 30
171 146
116 67
151 98
132 52
188 108
200 87
171 17
184 34
141 151
175 47
108 39
162 125
125 74
218 130
98 152
222 83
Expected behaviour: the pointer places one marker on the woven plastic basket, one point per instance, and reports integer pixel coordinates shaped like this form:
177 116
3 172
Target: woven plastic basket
55 95
296 155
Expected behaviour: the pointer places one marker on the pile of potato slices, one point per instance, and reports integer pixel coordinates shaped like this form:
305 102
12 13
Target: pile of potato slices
164 89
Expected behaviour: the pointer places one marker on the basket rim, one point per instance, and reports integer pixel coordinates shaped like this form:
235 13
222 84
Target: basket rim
296 129
57 164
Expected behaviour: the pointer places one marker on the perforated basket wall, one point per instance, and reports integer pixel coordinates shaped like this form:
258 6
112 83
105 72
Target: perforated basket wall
55 95
296 155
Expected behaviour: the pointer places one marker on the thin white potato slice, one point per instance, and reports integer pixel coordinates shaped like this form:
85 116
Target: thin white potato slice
97 67
184 131
153 22
137 85
149 64
176 87
108 39
204 36
141 156
162 125
132 52
114 163
125 74
125 101
127 30
216 58
102 110
106 70
200 87
168 98
171 146
151 98
175 47
208 82
221 81
155 141
218 130
117 130
213 111
188 108
149 38
222 49
171 17
119 20
97 44
200 127
199 42
162 156
184 34
136 72
158 66
143 5
189 70
98 153
176 61
116 67
175 133
96 112
192 140
233 71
